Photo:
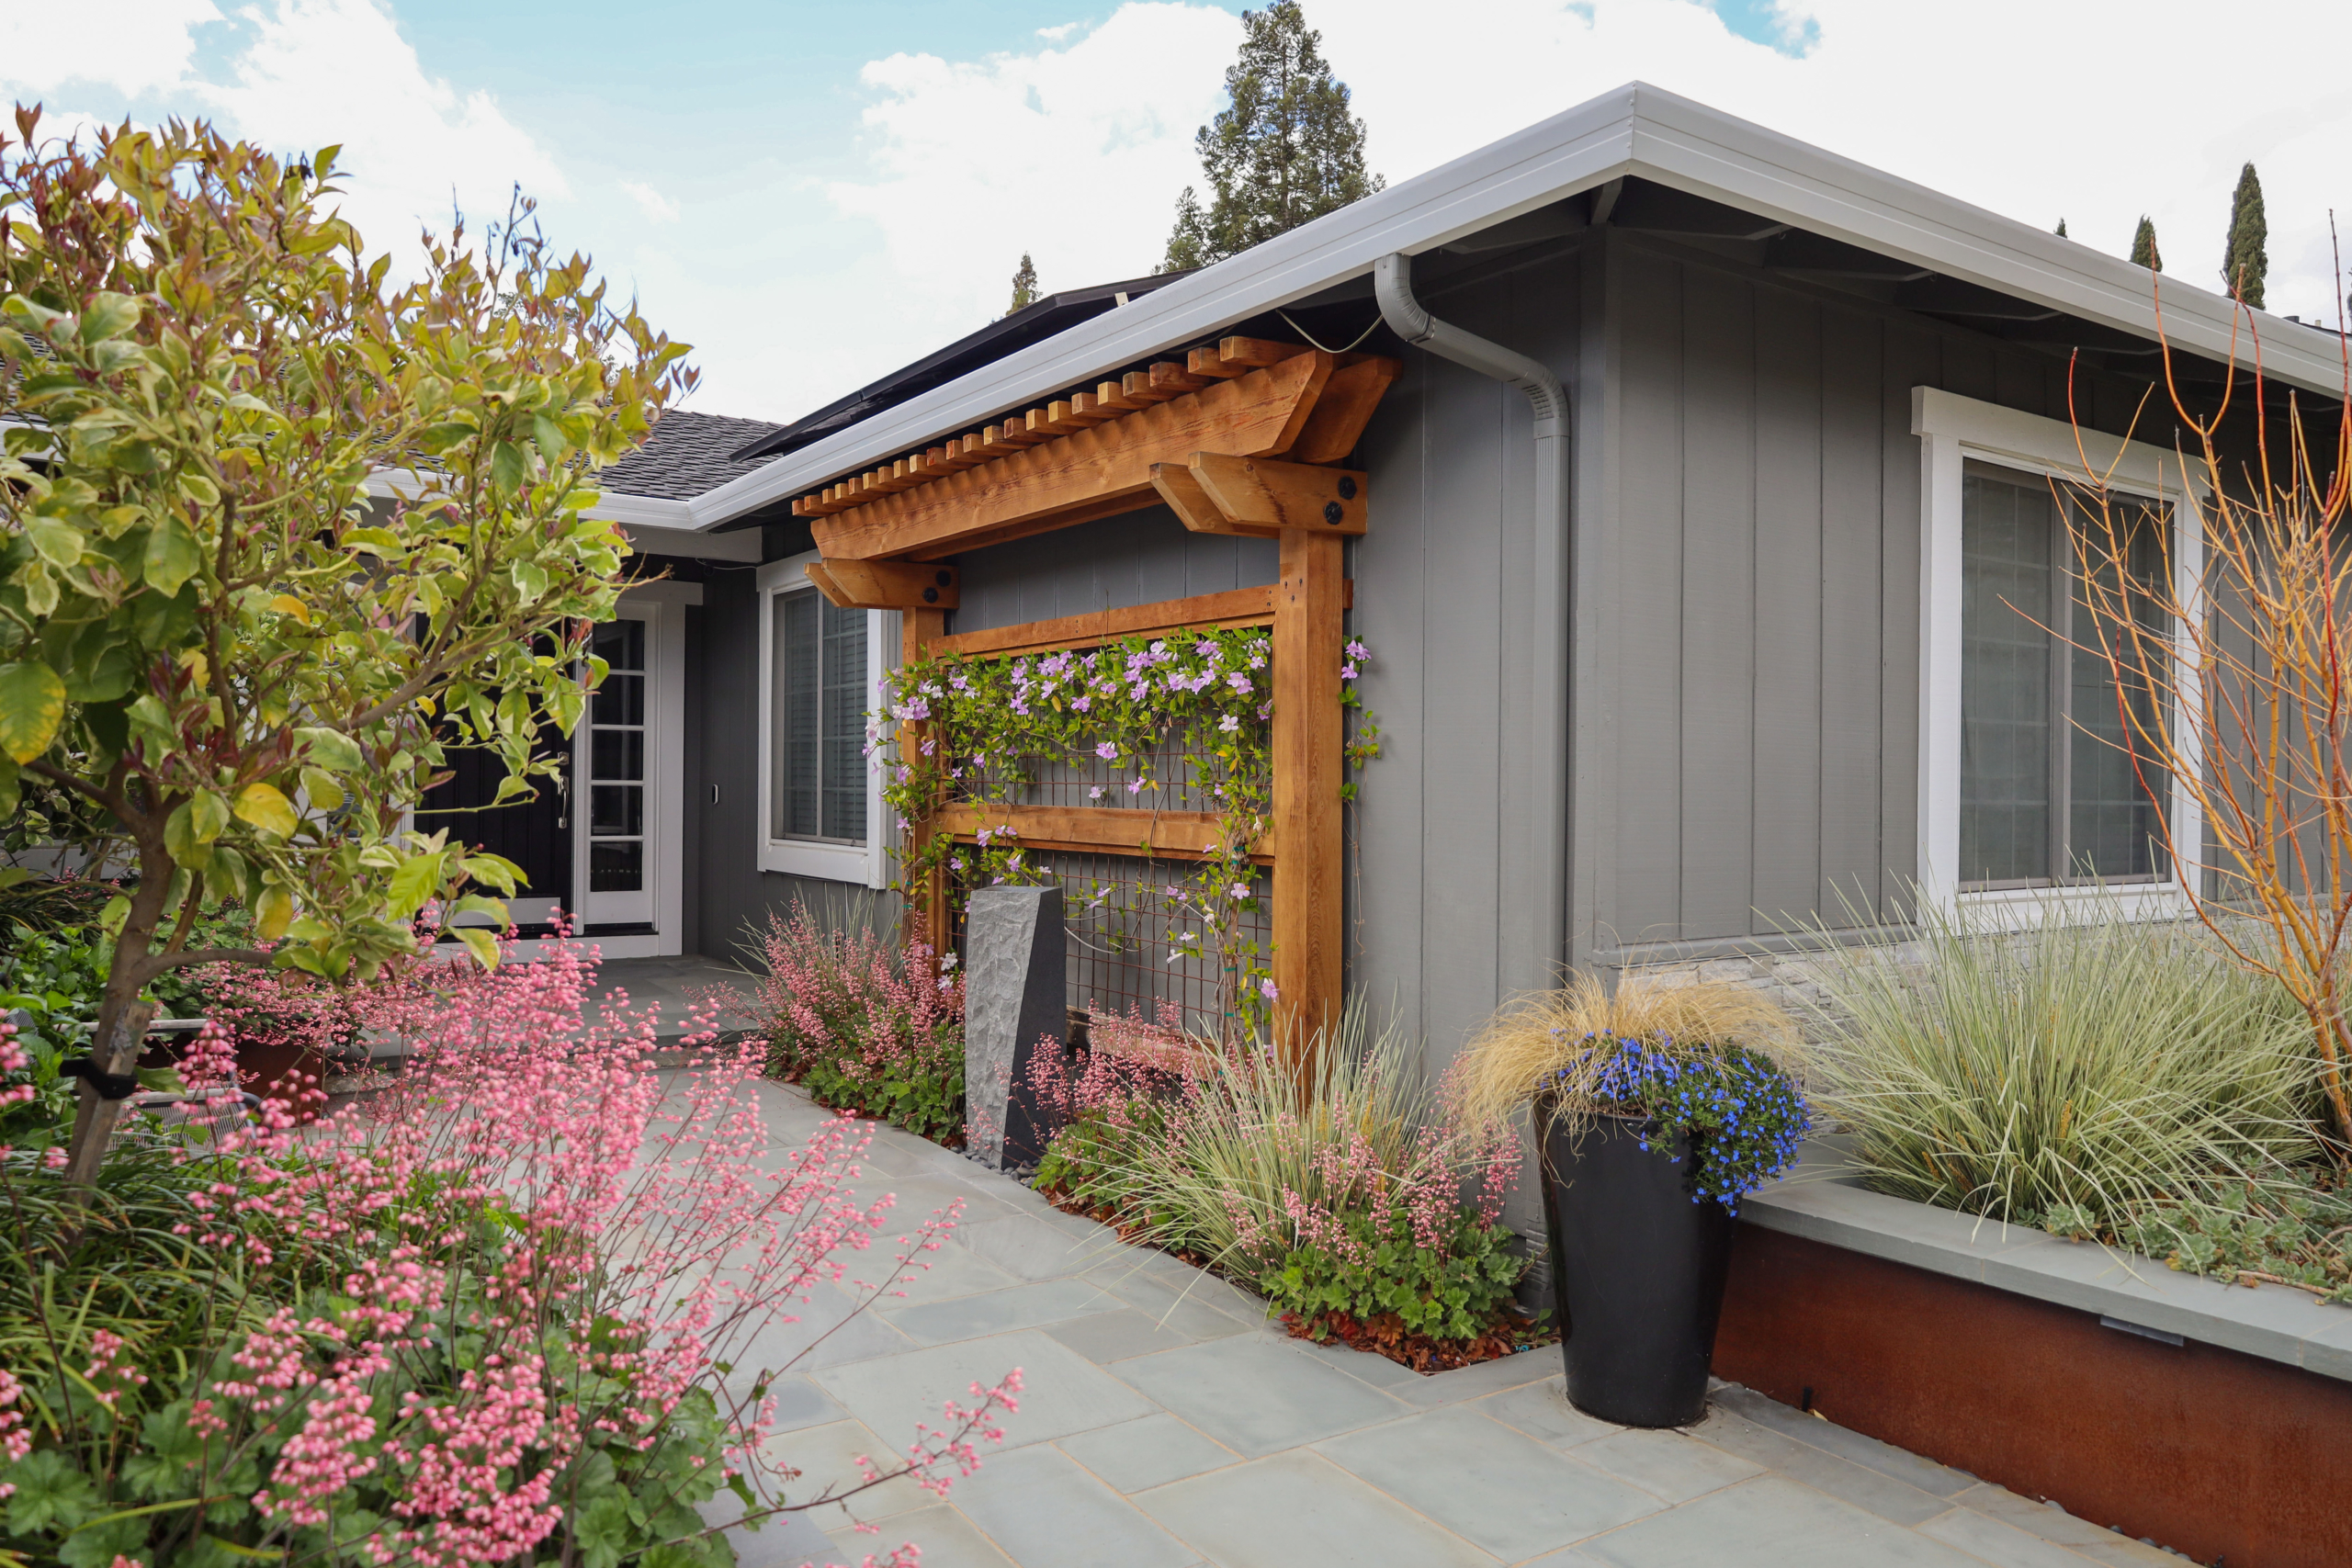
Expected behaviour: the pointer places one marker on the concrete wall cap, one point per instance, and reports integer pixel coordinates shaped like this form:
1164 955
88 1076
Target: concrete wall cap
1823 1202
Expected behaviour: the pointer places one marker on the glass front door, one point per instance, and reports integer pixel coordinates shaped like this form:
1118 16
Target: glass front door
616 845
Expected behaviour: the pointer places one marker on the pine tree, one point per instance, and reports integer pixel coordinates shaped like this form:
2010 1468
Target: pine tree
2062 227
2144 246
1025 285
2245 260
1286 151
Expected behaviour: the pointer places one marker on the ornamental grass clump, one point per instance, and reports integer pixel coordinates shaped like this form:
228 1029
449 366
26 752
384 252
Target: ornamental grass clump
2092 1063
863 1023
1712 1061
511 1310
1334 1186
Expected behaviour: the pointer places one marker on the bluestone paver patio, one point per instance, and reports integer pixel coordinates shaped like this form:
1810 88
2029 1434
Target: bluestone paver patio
1163 1424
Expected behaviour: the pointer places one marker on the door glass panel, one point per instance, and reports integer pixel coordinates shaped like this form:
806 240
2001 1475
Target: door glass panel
616 866
617 761
616 809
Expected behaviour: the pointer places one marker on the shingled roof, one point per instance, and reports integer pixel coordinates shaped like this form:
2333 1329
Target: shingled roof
687 454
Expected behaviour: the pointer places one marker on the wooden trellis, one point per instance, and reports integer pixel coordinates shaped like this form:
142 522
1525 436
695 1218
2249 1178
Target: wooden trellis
1239 439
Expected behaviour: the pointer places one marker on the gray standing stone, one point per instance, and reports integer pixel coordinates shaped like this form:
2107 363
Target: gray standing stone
1014 995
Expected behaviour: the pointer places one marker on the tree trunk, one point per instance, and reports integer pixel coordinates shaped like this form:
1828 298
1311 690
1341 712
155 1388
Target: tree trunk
122 1017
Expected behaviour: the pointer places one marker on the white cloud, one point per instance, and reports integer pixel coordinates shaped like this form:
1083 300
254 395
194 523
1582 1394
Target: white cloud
321 70
656 206
1076 152
130 46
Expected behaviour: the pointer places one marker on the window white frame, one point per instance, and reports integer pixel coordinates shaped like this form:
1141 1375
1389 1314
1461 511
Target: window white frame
867 863
1952 429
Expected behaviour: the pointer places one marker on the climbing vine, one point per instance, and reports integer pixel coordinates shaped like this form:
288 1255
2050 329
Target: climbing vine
1179 721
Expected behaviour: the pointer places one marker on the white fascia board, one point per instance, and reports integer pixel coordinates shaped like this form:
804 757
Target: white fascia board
1632 129
652 510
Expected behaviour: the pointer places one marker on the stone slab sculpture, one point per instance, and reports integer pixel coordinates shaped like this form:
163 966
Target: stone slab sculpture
1014 1005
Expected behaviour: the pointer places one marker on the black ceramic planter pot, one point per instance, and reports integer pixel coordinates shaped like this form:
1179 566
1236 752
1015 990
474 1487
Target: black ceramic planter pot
1637 1269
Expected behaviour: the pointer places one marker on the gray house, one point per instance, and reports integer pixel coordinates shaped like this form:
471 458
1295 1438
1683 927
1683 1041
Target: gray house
1708 454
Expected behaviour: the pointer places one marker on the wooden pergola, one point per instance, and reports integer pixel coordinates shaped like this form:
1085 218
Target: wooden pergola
1242 438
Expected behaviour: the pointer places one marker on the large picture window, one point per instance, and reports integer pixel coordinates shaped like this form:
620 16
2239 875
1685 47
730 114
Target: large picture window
817 798
2028 795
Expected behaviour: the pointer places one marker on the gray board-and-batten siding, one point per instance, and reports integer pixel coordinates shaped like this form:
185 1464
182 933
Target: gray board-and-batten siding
1745 564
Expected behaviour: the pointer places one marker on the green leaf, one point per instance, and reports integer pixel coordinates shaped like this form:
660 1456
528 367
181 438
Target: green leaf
417 880
553 445
58 542
273 912
265 807
530 580
494 871
32 705
375 541
108 315
480 942
508 467
52 1492
173 555
321 789
104 1542
151 723
332 749
208 817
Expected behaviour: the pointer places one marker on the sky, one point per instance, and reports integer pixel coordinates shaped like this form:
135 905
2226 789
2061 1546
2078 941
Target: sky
814 194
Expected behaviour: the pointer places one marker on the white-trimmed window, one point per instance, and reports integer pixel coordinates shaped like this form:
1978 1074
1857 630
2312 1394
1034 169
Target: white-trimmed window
820 804
2023 787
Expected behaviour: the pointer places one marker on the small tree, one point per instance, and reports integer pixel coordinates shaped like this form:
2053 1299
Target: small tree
211 633
1024 286
2246 258
2062 229
2144 246
1283 152
2249 668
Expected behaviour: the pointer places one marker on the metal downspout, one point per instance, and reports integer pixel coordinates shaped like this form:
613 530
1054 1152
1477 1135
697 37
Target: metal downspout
1534 917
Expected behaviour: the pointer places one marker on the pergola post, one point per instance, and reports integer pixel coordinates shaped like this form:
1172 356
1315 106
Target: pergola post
927 920
1308 738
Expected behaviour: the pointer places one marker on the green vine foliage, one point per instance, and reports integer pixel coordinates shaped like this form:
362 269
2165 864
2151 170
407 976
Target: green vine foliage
1182 721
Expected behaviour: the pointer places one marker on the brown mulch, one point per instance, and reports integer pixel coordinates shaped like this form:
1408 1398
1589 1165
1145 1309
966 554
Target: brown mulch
1508 1335
1386 1335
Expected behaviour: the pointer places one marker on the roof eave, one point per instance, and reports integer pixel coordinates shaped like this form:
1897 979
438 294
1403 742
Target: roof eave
1632 129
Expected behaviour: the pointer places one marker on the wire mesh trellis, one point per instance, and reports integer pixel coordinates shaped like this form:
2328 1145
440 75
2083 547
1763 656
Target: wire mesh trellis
1124 915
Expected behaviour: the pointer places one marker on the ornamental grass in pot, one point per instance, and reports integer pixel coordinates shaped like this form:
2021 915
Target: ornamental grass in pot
1655 1111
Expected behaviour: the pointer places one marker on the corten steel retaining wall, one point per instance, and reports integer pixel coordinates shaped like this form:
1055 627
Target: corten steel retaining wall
2226 1457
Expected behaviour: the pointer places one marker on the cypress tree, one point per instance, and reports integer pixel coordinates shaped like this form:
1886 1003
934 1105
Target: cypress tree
2144 246
2062 227
2245 260
1025 285
1284 151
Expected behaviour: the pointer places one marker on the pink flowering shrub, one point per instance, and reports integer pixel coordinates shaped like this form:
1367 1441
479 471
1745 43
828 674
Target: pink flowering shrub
864 1024
514 1308
1338 1188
